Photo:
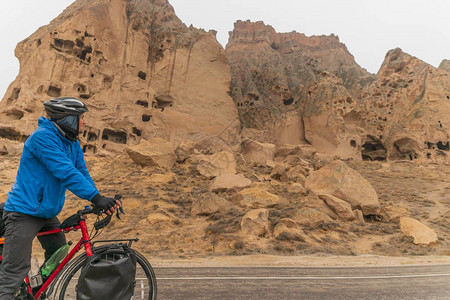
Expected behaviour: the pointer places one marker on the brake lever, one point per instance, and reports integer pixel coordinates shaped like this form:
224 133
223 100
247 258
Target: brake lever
118 197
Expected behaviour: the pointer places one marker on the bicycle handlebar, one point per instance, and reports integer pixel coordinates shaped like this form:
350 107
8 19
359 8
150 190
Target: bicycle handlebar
94 210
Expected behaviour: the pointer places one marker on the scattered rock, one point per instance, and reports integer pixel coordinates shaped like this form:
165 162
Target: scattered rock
208 206
286 227
339 180
393 213
255 152
155 152
229 182
313 201
296 188
255 222
359 215
185 150
297 174
258 198
310 217
422 234
211 144
340 207
217 164
279 172
287 150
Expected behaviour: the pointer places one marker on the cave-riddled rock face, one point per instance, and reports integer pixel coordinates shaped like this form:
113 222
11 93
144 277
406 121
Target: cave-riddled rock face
139 69
293 87
297 89
408 109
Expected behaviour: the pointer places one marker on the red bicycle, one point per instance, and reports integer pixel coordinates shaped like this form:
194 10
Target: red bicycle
63 280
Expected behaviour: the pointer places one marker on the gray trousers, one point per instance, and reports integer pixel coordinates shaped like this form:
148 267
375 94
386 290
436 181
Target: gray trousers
20 231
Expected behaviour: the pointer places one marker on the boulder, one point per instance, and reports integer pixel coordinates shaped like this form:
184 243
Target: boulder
359 215
340 207
311 200
255 152
339 180
310 217
279 172
208 206
211 144
216 164
296 188
255 222
287 150
394 213
229 182
155 152
297 174
258 198
422 234
286 228
185 150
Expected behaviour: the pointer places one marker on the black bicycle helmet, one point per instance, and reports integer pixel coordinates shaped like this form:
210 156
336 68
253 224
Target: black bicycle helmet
64 106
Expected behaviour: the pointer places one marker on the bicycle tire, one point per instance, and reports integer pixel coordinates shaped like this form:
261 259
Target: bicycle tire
66 286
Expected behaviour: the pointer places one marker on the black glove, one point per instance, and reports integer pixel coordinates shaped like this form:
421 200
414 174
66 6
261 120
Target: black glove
104 203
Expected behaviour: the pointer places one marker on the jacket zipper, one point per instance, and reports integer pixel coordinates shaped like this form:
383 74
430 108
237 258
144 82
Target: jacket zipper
39 204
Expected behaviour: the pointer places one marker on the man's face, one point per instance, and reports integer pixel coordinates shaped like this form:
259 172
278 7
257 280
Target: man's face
82 123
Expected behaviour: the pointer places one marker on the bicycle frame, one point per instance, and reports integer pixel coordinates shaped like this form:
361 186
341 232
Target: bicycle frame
84 241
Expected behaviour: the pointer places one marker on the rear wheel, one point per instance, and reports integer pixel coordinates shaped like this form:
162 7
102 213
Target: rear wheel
145 277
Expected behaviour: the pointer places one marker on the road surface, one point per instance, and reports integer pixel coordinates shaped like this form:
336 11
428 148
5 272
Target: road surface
400 282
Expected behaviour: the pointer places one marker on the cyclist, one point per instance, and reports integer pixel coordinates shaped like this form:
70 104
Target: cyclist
52 161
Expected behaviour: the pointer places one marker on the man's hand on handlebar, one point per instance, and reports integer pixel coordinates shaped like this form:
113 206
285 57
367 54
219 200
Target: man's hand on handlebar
106 204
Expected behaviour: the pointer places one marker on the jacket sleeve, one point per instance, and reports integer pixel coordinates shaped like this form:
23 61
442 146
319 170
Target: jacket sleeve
81 166
48 149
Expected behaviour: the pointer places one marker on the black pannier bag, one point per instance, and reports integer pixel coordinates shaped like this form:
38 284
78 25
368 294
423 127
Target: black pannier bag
108 274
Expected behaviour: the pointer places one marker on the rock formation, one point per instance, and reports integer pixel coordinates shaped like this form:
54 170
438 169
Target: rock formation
139 69
406 111
281 79
295 89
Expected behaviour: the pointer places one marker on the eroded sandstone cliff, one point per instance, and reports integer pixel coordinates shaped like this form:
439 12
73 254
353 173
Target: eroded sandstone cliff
139 69
295 89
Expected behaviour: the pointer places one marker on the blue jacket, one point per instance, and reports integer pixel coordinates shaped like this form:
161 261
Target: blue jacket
50 164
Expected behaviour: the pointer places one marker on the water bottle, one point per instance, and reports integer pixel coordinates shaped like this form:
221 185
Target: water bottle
57 257
34 275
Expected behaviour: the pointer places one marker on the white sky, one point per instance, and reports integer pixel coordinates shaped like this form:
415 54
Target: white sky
369 28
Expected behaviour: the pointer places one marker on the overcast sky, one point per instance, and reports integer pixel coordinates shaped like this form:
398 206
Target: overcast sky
369 28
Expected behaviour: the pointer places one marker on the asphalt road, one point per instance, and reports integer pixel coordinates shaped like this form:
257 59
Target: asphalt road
404 282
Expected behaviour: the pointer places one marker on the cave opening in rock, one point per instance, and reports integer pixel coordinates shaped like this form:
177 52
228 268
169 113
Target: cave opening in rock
142 75
54 91
146 118
443 146
373 149
92 137
114 136
288 101
12 134
142 103
353 143
136 131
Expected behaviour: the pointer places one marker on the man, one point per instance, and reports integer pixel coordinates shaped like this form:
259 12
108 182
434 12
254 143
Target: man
52 161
